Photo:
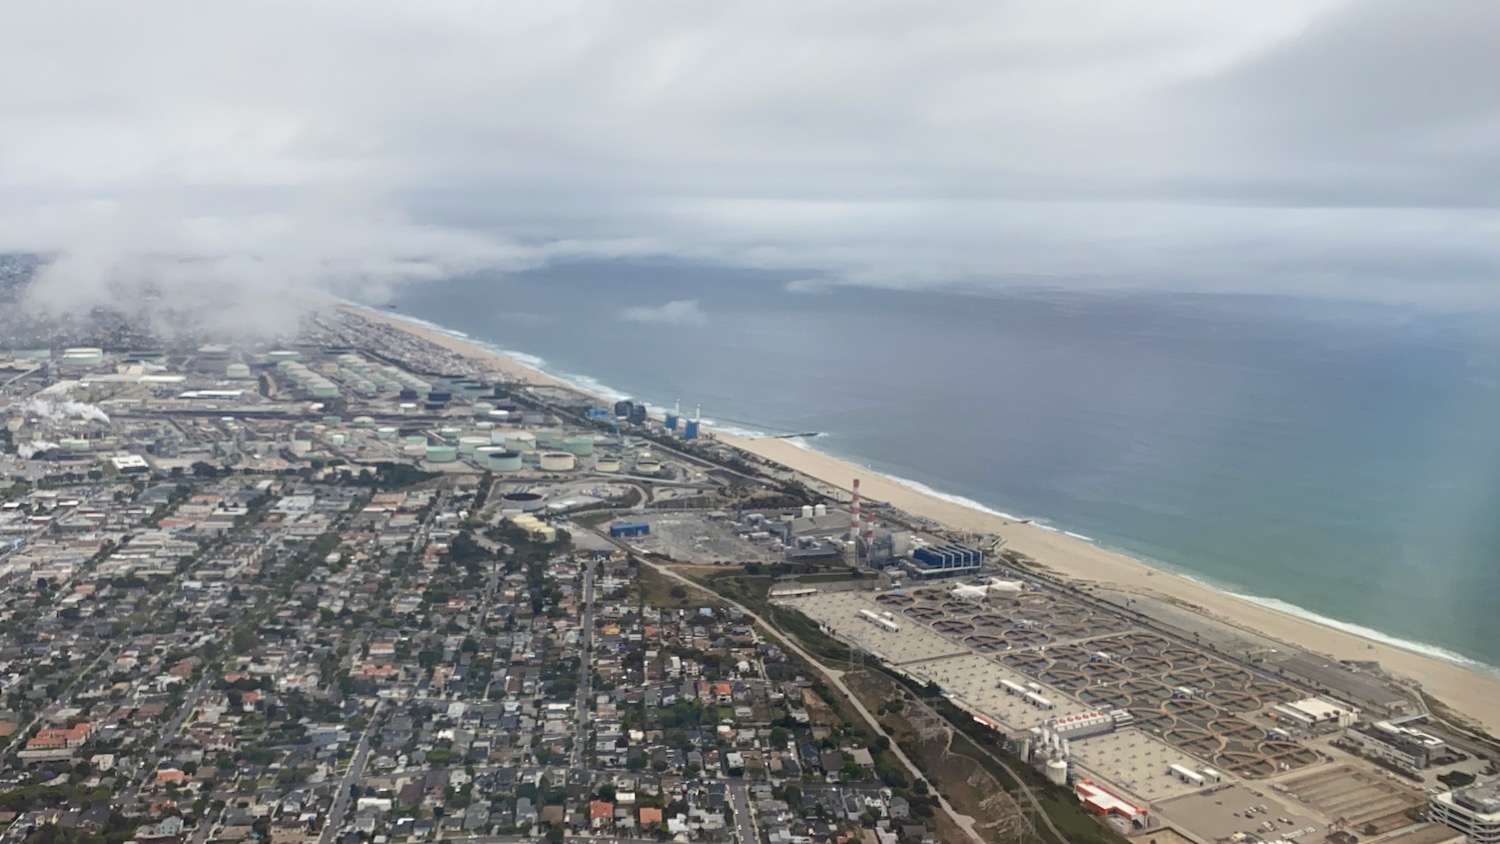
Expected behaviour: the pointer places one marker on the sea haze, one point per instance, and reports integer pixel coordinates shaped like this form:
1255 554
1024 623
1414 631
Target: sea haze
1341 459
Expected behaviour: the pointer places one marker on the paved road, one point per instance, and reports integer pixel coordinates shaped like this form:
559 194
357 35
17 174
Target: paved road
744 815
169 732
352 775
585 667
835 677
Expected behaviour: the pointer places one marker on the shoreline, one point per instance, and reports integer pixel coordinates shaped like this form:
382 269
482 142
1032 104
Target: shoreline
1469 690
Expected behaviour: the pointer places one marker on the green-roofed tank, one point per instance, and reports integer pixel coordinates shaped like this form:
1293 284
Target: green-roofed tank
578 446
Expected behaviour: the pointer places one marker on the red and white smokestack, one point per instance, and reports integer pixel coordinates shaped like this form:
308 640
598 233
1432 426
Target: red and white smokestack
870 529
854 512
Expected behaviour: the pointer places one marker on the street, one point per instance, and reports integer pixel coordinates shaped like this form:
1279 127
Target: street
352 775
585 667
744 815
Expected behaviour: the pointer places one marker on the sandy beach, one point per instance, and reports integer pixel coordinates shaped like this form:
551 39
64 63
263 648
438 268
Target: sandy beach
1476 695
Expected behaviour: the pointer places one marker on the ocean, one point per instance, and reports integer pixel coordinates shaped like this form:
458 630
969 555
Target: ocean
1338 460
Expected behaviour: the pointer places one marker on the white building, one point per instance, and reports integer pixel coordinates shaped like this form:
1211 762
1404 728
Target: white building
1313 712
1474 811
1404 746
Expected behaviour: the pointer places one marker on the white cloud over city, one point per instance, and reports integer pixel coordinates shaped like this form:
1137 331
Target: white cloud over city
1331 148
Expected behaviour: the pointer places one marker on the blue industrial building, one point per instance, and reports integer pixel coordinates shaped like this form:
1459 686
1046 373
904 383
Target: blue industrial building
690 431
945 560
671 421
598 413
620 529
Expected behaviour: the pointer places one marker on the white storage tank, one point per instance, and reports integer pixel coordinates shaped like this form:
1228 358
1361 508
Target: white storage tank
441 454
1056 772
237 372
820 510
558 461
385 433
608 464
470 444
807 511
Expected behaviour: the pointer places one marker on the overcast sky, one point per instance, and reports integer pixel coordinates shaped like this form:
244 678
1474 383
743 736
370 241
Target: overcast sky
1346 149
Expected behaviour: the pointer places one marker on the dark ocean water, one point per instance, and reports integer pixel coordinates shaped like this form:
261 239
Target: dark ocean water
1340 459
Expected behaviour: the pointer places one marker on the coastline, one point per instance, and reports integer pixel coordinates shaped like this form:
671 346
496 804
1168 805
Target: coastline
1469 691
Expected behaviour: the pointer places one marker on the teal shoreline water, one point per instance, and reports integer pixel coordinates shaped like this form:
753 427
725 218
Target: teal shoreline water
592 386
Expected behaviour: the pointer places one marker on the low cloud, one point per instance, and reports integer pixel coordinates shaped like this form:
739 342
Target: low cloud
675 312
1285 146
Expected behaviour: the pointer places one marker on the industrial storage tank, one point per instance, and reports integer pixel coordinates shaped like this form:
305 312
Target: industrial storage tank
580 446
525 501
441 454
820 510
647 464
503 461
448 432
608 464
386 433
283 355
414 449
519 441
468 445
364 422
1056 772
807 511
558 461
237 371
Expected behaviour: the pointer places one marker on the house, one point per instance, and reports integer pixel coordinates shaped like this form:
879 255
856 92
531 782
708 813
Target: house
601 814
650 817
525 812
